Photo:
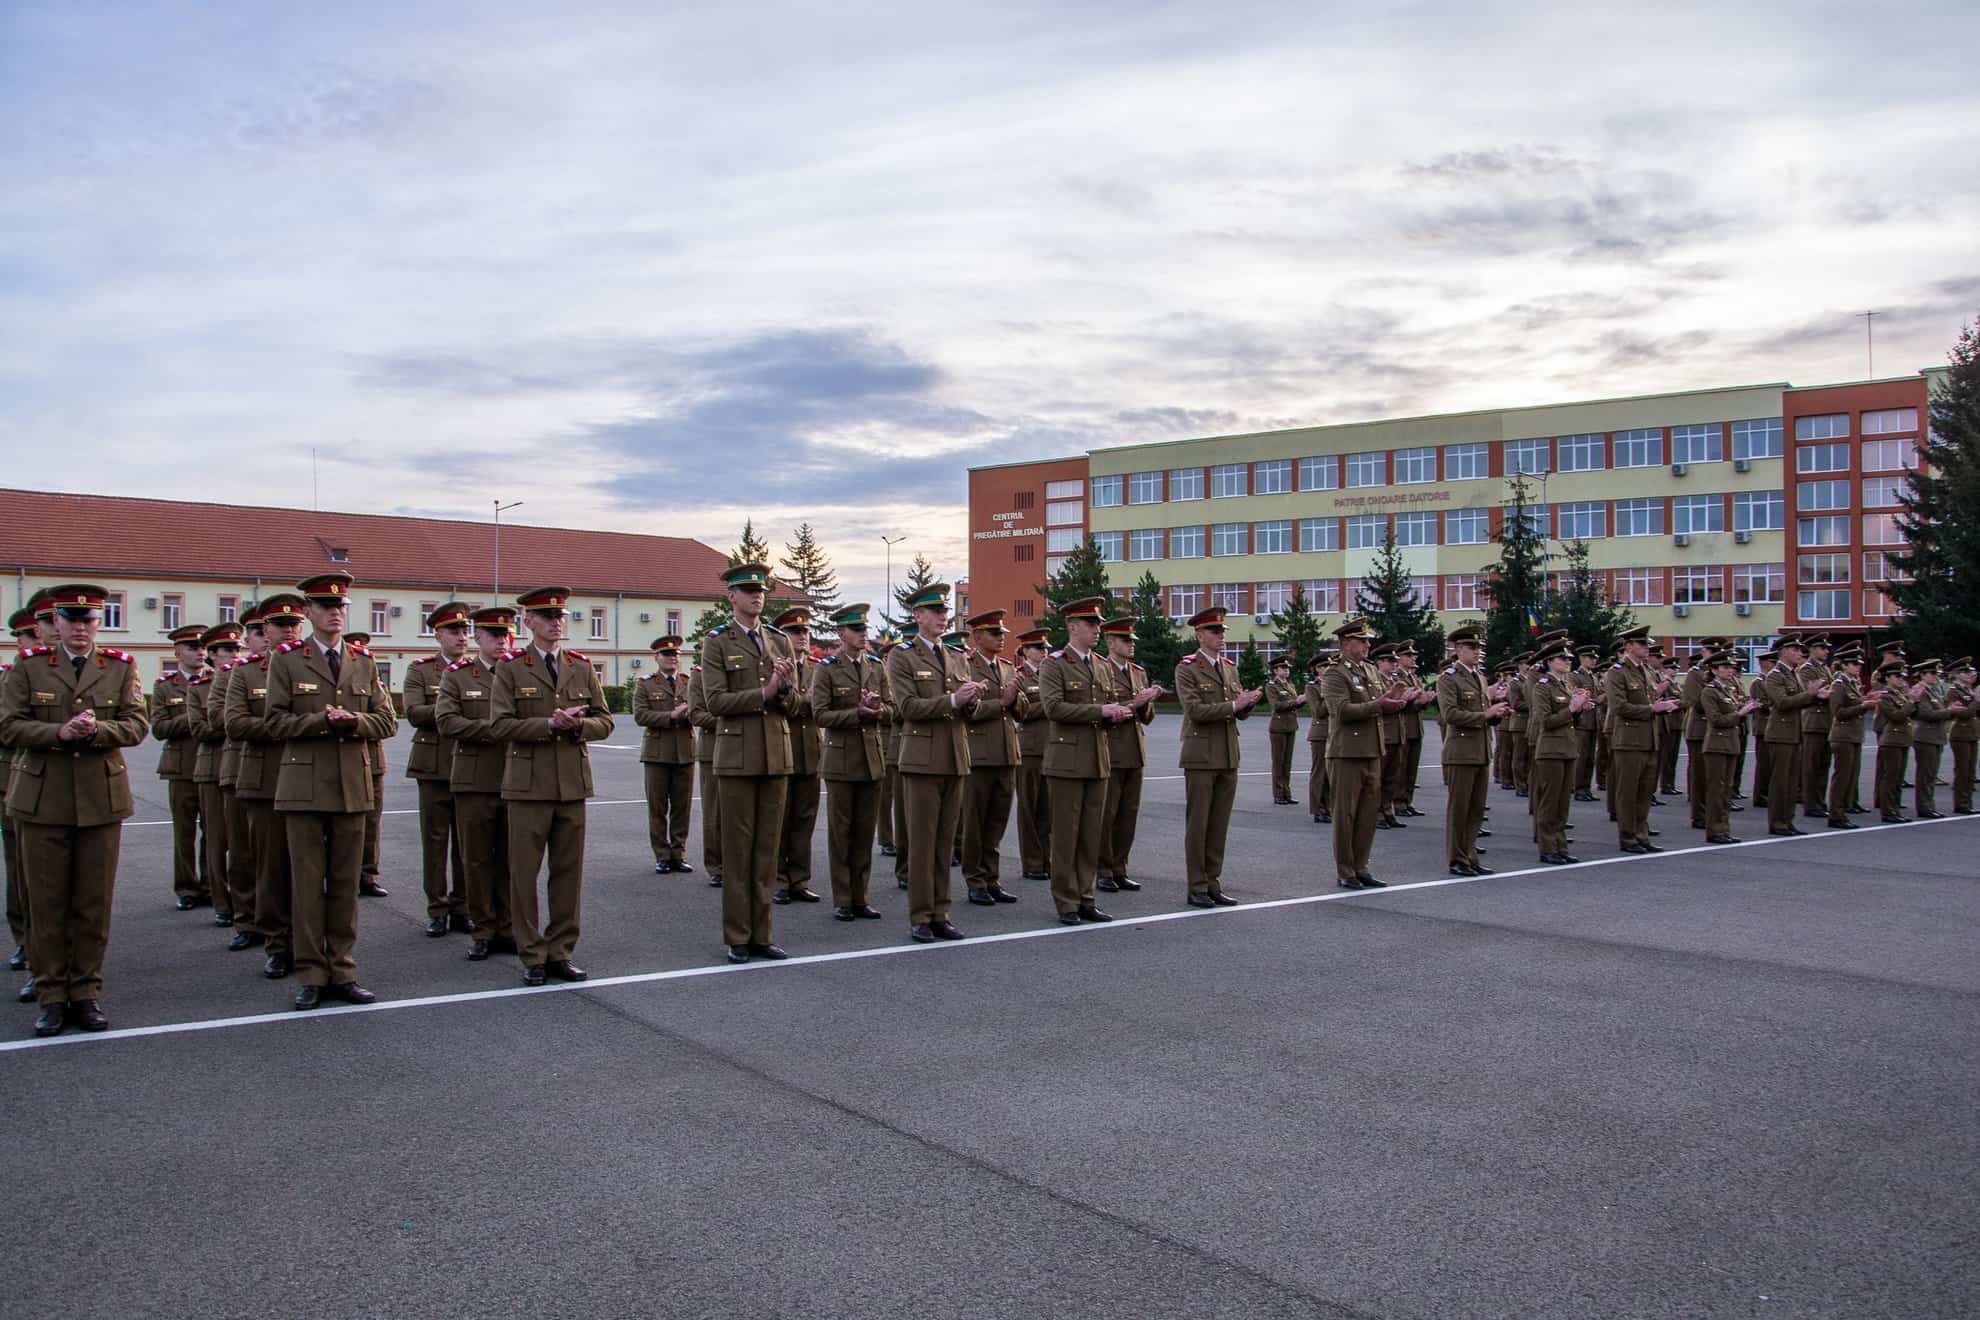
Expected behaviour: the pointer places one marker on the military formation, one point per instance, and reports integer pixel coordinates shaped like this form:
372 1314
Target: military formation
926 747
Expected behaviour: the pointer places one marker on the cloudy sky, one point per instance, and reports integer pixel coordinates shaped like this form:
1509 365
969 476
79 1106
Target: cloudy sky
660 267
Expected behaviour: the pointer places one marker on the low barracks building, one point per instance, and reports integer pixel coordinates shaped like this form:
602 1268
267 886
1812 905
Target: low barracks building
1740 512
169 563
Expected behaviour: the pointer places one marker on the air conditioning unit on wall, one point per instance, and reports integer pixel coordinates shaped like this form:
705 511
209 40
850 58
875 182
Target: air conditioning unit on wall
1261 619
1681 611
1744 609
645 616
1742 465
1679 469
1681 540
1741 538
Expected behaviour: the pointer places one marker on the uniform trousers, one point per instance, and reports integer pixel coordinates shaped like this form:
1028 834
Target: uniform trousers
1925 777
934 811
899 809
852 810
1412 766
800 823
1845 764
1118 819
1357 806
240 862
325 850
1783 784
374 820
482 822
213 848
1763 767
986 815
1210 795
71 874
1632 778
1890 778
537 828
711 820
17 905
1522 761
884 810
1694 781
1553 792
1667 759
1587 742
1815 770
669 802
1034 815
752 833
1962 780
1716 775
274 901
1319 785
1392 772
1604 760
1079 808
1464 811
187 856
1282 754
440 851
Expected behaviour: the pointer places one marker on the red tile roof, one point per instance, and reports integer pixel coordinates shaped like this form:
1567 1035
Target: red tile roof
112 535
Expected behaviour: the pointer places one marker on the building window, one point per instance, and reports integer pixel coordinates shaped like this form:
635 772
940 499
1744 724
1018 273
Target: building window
1639 586
1228 539
1759 511
230 609
171 611
1759 584
113 611
1228 596
1319 534
1467 462
1884 492
1369 469
1822 458
1414 466
1272 478
1831 426
1824 606
1882 529
1069 514
1760 438
1698 444
1583 521
1885 421
1070 489
1527 456
1698 513
1273 538
1877 605
1365 530
381 617
426 608
1108 544
1063 540
1821 496
597 623
1584 453
1461 591
1639 517
1320 473
1467 527
1643 447
1882 566
1416 529
1186 484
1535 516
1054 565
1021 553
1271 597
1698 586
1890 455
1831 530
1323 595
1186 542
674 616
1145 543
1107 492
1144 488
1424 591
1185 601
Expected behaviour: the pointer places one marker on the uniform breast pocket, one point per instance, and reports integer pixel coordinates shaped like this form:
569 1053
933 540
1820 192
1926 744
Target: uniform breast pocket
296 755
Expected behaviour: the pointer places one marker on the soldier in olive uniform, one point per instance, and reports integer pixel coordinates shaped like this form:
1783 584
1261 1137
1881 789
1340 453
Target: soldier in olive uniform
1787 694
374 820
849 700
220 644
1895 704
893 794
1213 701
463 712
933 695
801 798
1127 753
1635 700
993 759
1285 701
1075 694
240 850
1588 724
747 670
1814 752
21 623
1965 733
1319 789
660 706
41 631
1690 690
280 619
1556 703
1356 703
1721 706
1034 804
326 703
1763 758
430 766
1420 695
68 711
1466 711
705 725
1389 673
1931 721
1848 702
1518 750
547 705
173 725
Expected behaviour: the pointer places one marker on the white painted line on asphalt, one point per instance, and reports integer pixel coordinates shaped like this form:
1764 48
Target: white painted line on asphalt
889 950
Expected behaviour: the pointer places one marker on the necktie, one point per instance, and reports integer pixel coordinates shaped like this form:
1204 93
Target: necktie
756 640
76 661
550 663
335 657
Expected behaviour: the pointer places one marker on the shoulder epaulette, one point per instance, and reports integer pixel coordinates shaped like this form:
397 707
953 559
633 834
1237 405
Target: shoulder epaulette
1451 670
696 669
125 656
576 655
355 649
458 664
1189 659
202 682
717 629
32 651
1058 655
830 659
515 655
287 647
427 660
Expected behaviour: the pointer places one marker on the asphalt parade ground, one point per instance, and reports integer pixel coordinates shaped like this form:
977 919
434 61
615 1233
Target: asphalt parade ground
1716 1082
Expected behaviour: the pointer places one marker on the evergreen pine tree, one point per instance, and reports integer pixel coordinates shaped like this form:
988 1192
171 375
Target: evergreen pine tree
1940 518
1298 631
717 613
1519 579
807 568
1582 605
1083 574
752 549
920 574
1251 666
1388 601
1157 646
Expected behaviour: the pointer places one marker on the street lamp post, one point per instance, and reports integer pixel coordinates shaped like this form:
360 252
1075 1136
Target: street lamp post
890 542
499 506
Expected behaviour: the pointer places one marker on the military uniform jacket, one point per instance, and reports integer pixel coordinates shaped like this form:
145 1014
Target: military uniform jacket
852 745
463 712
1316 704
1846 707
1692 694
1670 722
1285 700
1893 722
207 734
1550 715
1931 717
228 761
325 769
921 679
248 726
1718 710
1517 694
669 738
1412 716
993 734
1127 740
543 764
1766 700
1393 733
1209 689
171 724
432 753
1590 682
702 718
1354 713
752 736
804 730
81 783
1461 705
1815 715
1073 691
1965 728
1031 717
1786 695
1630 693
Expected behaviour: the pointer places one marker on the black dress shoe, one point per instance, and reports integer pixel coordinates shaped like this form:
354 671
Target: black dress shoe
435 927
1636 849
1657 801
26 993
1385 824
901 883
945 930
1720 838
887 850
1069 918
534 974
372 889
277 965
714 880
1370 882
1484 834
1001 894
981 897
1222 899
478 951
1126 885
1477 869
19 961
565 970
781 897
1036 875
842 913
185 905
223 918
1814 813
1651 848
1088 912
1344 882
1843 823
1782 831
738 953
1736 806
1105 884
243 939
803 894
1462 870
661 868
350 992
308 997
866 912
1893 820
459 921
1931 815
52 1019
1202 900
1553 859
922 933
770 951
680 868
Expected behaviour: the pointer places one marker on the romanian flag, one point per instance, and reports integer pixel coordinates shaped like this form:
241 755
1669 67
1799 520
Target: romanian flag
1532 624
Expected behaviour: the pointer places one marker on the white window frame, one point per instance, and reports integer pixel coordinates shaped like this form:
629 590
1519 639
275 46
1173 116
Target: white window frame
1640 447
1361 526
1703 442
1186 542
1529 456
1320 472
1416 466
1319 535
1368 468
1758 437
1185 484
1272 537
1272 476
1234 535
1421 528
1772 503
1109 492
1457 522
1686 511
1586 452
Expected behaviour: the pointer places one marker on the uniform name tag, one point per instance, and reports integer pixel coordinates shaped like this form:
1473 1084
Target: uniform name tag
305 687
257 692
44 696
170 701
924 673
526 692
472 694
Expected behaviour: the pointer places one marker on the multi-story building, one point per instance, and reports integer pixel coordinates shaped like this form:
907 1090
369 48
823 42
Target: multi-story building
168 563
1683 499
